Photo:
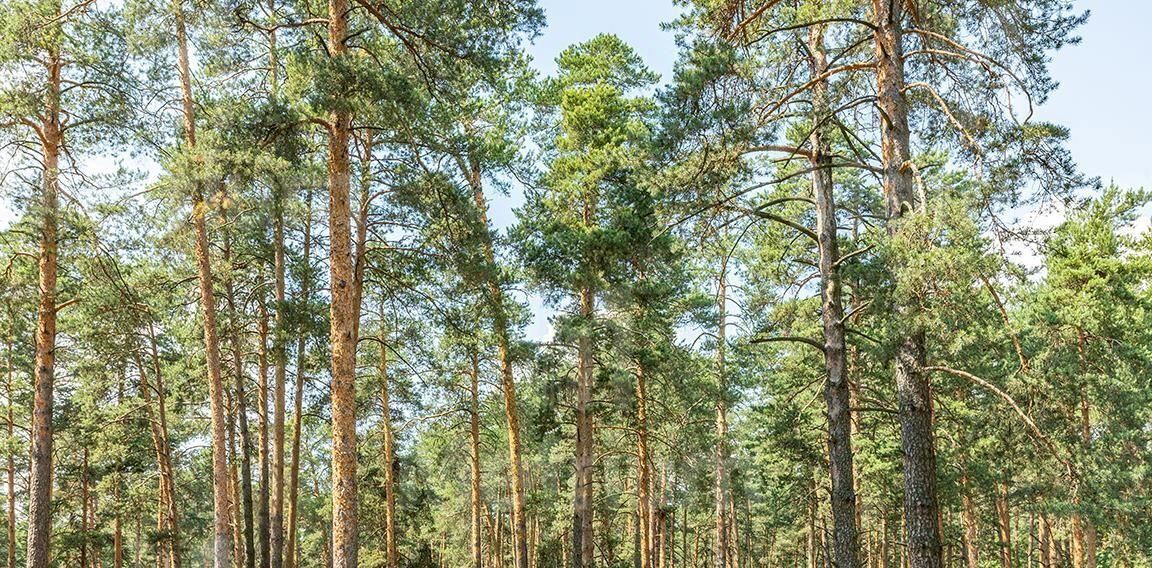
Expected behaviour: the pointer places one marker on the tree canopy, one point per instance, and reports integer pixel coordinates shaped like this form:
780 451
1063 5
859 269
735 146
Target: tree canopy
273 291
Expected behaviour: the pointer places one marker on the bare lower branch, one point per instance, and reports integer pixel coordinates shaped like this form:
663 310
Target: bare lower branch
789 338
1048 443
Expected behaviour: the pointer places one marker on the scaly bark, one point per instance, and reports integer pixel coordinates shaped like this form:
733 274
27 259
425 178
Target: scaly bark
343 316
51 135
921 506
582 535
837 394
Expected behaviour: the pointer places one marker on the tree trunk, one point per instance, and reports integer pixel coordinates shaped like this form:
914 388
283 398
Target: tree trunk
1047 554
298 395
885 561
501 329
1083 532
241 401
263 506
10 427
167 518
582 541
837 395
582 489
969 520
84 498
391 557
117 532
720 489
221 555
810 553
733 535
921 506
280 357
1004 525
476 498
343 315
643 470
40 475
138 550
238 551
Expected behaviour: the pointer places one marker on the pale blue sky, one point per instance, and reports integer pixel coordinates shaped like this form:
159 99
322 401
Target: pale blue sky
1106 81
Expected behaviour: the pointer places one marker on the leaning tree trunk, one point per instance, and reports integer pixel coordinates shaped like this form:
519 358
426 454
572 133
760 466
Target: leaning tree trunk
40 474
502 330
221 554
921 505
343 315
168 517
837 394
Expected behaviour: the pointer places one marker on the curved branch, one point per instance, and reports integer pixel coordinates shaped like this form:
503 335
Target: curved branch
789 338
947 112
990 60
779 103
782 220
739 27
767 33
1048 443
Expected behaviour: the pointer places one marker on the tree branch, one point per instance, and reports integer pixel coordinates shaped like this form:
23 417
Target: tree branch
789 338
1016 407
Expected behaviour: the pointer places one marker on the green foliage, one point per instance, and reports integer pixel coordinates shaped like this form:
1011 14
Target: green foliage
648 196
